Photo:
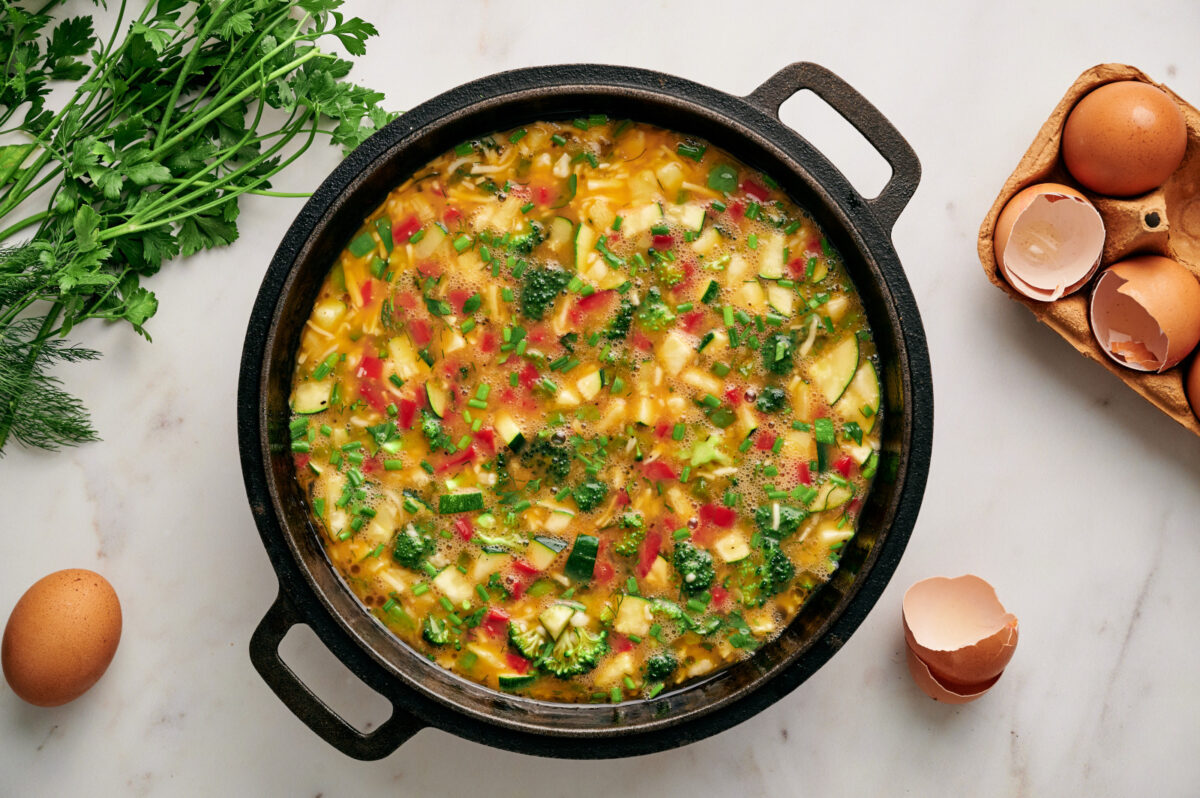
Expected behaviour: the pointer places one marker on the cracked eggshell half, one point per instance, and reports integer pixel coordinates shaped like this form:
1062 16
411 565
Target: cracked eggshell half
947 693
959 630
1048 241
1145 312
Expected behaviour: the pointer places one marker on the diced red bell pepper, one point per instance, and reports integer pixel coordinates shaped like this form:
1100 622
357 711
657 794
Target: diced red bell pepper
516 589
760 193
369 366
803 473
596 301
718 515
371 464
690 321
798 266
457 459
516 662
405 299
648 552
495 622
486 438
764 441
402 231
542 195
639 341
737 209
458 296
719 596
658 471
525 567
622 499
663 241
406 413
302 460
619 642
662 430
430 268
540 333
844 465
451 217
463 527
488 342
373 395
420 332
603 570
733 394
529 375
365 292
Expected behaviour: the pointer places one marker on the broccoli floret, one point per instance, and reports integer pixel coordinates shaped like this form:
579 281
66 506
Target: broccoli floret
542 286
576 651
548 456
529 642
777 570
695 567
431 428
435 632
411 547
619 326
771 400
660 665
654 314
777 352
523 243
632 537
511 540
790 519
588 495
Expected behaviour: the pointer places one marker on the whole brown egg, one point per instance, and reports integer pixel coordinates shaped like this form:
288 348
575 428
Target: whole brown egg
61 637
1124 138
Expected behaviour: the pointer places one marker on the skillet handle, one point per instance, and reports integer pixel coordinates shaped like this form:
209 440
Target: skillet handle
315 713
866 118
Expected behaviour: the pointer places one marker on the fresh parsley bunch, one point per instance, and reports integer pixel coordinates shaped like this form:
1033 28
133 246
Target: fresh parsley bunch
177 114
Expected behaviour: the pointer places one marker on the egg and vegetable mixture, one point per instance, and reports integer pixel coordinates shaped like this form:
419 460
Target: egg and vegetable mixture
586 410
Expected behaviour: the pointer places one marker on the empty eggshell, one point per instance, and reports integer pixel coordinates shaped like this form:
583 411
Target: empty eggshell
959 629
1048 241
1145 312
944 692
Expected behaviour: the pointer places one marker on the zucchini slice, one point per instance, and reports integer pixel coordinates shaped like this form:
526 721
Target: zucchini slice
449 503
582 560
860 402
438 399
509 431
542 551
515 681
555 619
312 397
834 368
585 240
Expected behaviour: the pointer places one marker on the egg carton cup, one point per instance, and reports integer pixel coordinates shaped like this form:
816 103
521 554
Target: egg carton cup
1166 222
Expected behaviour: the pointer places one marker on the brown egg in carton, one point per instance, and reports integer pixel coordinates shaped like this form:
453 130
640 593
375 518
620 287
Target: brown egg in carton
1165 222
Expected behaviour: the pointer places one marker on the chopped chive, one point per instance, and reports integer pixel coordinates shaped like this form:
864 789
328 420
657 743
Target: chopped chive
467 326
416 237
478 404
527 207
558 139
420 589
616 225
678 432
517 135
752 240
393 465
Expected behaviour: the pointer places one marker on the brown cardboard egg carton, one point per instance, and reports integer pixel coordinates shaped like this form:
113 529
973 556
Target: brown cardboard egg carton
1165 221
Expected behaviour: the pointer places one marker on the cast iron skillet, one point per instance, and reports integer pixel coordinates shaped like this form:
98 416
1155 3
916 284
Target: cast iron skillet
422 694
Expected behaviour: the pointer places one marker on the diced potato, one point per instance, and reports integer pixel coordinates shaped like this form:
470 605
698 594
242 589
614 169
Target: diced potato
675 352
556 522
752 296
646 411
703 381
707 242
643 186
392 580
454 585
616 669
566 398
670 176
799 445
735 272
659 577
452 341
328 313
613 417
633 617
836 307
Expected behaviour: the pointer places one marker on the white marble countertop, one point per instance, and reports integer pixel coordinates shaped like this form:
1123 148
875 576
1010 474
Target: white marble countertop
1075 497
